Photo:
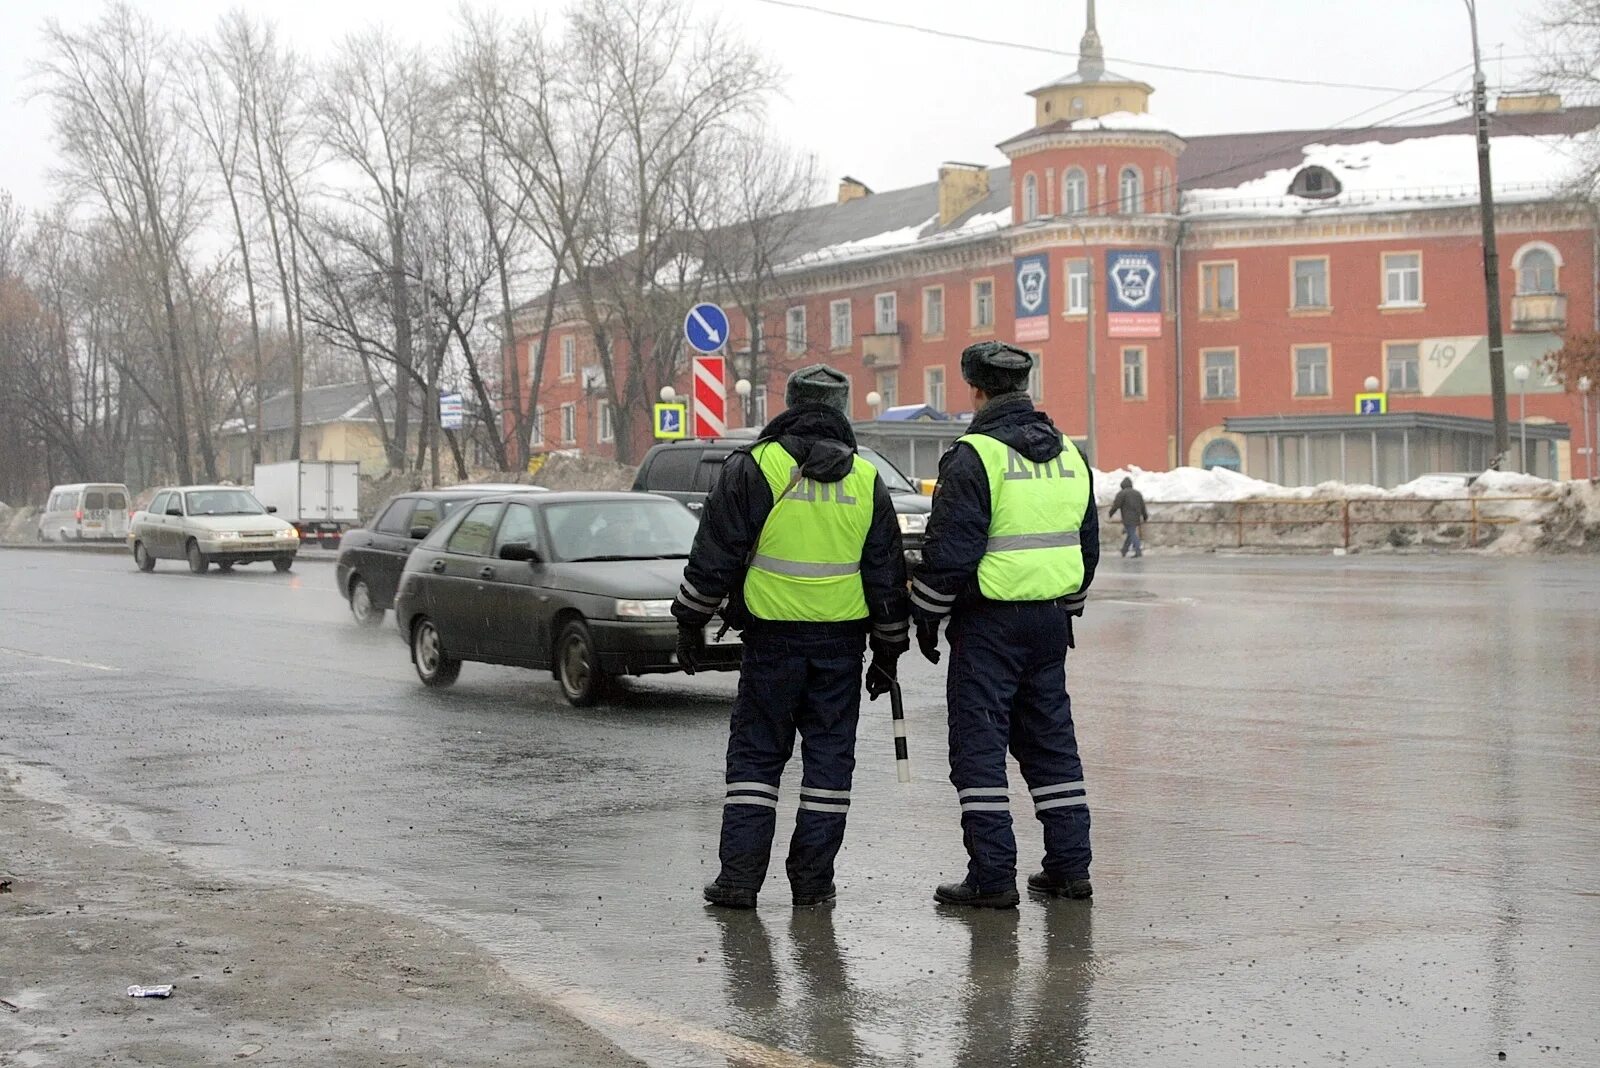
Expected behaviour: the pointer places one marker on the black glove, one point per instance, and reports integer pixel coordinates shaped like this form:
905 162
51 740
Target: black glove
928 639
881 672
1070 643
691 643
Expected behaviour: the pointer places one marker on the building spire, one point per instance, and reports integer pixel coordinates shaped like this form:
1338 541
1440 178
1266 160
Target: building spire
1091 53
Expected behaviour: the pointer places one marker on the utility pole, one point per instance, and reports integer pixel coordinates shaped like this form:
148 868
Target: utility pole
1491 254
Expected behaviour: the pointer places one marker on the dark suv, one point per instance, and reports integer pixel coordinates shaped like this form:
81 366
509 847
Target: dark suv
686 471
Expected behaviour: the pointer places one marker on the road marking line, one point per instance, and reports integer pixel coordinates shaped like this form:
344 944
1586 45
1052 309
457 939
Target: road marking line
91 665
583 1004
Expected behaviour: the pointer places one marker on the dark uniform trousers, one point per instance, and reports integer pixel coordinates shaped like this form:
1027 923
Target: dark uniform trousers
787 684
1007 686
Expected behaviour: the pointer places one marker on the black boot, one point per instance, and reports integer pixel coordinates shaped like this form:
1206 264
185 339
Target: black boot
1076 889
730 897
811 899
963 894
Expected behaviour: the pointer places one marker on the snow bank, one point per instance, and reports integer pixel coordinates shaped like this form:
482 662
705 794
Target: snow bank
1122 120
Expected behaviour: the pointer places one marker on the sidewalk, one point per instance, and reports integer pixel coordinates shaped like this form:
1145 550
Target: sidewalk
263 976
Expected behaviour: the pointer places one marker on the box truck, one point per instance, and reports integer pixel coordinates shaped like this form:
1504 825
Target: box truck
322 498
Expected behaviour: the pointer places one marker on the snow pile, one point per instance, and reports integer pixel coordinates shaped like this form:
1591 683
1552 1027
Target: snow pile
1422 169
1122 120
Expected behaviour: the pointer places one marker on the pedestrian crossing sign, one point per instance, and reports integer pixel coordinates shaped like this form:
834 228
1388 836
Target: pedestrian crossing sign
671 421
1372 403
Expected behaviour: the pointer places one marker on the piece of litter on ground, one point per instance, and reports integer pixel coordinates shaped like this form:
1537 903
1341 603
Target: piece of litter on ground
150 991
6 1004
5 885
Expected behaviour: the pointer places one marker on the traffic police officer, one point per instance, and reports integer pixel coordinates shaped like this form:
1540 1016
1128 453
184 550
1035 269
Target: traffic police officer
800 537
1010 550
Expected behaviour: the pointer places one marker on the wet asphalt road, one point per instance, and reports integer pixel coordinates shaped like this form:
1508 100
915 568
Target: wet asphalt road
1346 811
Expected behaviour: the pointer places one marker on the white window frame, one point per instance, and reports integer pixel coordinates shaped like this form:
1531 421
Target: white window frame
933 379
1395 278
1035 387
795 329
888 386
1077 302
1030 197
840 330
1137 366
758 406
536 437
1075 192
605 430
930 328
569 423
891 323
1294 284
1389 364
1206 392
981 323
569 356
1130 197
1520 258
1327 369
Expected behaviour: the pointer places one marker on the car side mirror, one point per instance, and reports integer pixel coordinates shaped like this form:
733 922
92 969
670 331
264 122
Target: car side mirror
519 550
418 533
271 509
175 511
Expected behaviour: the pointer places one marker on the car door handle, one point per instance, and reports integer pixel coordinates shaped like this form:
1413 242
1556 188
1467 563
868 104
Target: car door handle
486 572
438 565
694 506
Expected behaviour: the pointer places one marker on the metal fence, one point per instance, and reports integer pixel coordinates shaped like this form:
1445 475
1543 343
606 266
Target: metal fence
1331 522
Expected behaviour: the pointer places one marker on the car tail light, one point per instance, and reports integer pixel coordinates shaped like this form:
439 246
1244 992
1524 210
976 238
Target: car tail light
80 515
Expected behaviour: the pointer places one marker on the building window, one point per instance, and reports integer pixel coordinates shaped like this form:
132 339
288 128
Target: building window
1536 271
1077 287
933 311
569 356
1402 362
933 388
1221 368
1133 373
1402 278
758 407
569 423
1218 293
886 314
1311 371
1074 192
536 436
1130 191
795 330
1030 198
983 304
889 388
1077 106
1220 453
1311 283
1036 378
839 324
607 431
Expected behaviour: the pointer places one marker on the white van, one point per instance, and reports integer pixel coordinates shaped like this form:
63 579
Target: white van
87 510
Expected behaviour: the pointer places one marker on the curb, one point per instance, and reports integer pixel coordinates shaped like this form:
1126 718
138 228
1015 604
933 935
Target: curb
317 556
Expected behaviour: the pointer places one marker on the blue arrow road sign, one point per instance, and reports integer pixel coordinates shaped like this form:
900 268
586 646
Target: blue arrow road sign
705 328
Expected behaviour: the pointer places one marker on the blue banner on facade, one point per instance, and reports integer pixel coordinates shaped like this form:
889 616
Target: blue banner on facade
1032 276
1133 293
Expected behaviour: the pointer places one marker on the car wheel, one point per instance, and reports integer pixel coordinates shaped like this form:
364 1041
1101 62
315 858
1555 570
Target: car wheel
435 667
361 607
197 559
578 666
282 564
142 557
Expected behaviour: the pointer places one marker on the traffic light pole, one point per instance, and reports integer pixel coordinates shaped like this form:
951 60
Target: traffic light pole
1491 254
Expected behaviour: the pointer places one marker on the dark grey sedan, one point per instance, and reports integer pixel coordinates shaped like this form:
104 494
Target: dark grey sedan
580 584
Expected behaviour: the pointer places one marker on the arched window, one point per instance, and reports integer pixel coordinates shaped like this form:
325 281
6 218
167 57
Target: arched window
1221 453
1074 192
1130 191
1536 270
1030 198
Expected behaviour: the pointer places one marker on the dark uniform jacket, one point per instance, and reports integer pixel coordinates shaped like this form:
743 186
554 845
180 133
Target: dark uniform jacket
822 442
1130 502
958 528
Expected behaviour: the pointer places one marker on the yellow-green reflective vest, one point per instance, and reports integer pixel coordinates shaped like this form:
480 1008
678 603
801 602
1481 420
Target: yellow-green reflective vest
1035 511
807 563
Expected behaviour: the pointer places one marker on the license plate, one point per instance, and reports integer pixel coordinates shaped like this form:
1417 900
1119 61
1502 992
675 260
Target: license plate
730 638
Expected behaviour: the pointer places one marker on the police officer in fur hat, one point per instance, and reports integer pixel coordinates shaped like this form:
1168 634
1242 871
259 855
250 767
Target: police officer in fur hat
1009 554
799 538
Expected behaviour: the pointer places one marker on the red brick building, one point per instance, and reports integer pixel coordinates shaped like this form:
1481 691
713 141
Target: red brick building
1237 291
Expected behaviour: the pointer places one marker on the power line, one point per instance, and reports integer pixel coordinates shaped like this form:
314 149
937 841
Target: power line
1044 50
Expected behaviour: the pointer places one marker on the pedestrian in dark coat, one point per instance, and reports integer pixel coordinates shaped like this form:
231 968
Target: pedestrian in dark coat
1130 502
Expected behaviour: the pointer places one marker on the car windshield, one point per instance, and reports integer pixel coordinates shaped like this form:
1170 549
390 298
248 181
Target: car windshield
892 478
222 502
618 529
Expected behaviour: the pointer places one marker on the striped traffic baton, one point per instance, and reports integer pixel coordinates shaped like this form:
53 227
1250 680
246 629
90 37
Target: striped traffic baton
897 709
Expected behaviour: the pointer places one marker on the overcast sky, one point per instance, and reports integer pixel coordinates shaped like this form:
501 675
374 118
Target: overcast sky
887 105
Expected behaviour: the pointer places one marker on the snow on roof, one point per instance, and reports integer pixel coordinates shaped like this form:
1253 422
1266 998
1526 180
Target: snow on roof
1420 170
1122 120
926 232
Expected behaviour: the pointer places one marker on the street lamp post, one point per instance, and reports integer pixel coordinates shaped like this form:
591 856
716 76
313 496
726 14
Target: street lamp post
1372 383
1588 427
1091 431
668 394
1491 253
742 389
874 399
1520 373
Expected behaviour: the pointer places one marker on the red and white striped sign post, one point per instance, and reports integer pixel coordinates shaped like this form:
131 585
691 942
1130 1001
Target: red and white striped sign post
710 397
